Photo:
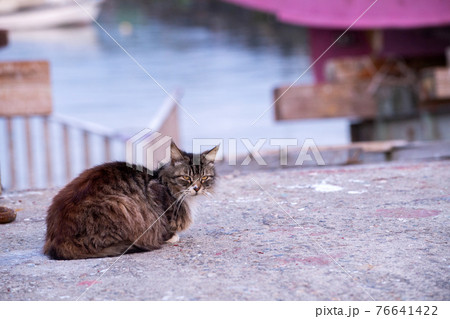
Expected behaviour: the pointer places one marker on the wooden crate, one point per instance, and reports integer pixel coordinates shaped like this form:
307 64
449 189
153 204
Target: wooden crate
353 69
325 100
350 69
435 84
25 88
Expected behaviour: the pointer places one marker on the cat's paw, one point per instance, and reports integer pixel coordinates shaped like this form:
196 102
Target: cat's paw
175 239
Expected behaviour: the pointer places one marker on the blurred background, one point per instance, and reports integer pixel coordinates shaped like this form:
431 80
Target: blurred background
385 79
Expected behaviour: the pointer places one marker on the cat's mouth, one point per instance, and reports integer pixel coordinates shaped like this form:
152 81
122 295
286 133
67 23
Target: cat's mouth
195 192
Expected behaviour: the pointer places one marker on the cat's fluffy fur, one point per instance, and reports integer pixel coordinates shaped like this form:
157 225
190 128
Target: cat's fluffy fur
113 208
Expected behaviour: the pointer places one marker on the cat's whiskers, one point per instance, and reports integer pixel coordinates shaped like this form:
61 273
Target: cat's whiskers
182 191
208 194
181 199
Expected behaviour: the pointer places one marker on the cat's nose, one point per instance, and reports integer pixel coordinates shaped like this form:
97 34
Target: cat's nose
195 188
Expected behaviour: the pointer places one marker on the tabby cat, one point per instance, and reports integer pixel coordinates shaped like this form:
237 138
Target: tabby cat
114 208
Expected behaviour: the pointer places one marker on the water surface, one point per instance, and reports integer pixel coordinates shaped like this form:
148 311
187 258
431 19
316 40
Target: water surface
226 60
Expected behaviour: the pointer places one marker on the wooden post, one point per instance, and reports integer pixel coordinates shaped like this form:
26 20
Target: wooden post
12 163
48 154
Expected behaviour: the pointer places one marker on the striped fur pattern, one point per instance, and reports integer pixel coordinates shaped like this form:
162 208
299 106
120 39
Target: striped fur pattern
113 208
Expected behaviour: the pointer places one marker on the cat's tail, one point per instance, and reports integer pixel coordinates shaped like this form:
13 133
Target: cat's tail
66 252
62 251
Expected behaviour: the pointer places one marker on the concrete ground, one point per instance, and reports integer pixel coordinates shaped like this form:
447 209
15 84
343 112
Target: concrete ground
352 233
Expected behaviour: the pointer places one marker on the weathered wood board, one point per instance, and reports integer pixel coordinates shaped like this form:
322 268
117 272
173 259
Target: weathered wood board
25 88
324 100
350 69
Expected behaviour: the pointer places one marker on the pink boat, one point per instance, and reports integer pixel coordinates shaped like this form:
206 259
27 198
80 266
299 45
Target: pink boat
406 28
340 14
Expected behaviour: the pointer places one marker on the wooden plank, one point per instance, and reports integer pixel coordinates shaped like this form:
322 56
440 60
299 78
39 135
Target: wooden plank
48 154
29 143
368 146
25 88
12 163
324 100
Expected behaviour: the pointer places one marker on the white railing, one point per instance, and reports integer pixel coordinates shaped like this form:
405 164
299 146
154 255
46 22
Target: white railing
46 151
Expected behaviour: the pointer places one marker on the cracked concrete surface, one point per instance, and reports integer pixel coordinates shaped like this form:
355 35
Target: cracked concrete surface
345 233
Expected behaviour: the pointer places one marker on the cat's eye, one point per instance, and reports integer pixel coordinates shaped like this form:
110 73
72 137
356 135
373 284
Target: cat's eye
187 178
204 178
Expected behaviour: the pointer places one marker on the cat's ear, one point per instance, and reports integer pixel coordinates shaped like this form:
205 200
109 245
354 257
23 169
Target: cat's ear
175 153
210 155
